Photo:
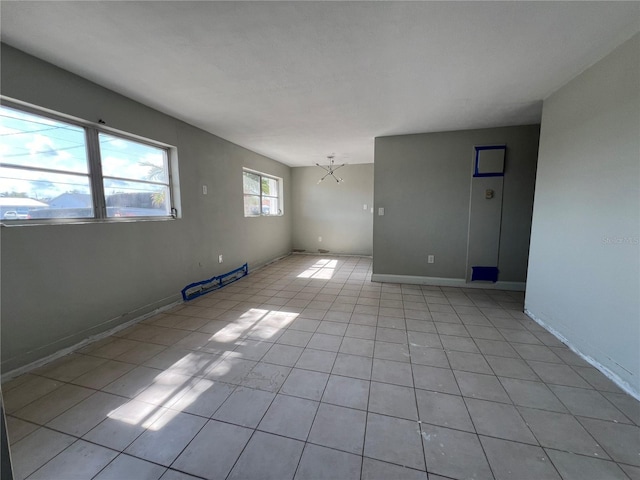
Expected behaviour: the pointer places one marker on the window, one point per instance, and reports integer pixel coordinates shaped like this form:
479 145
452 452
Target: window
52 168
262 194
135 178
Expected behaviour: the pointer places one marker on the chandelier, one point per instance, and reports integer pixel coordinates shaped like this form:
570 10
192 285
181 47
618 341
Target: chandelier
331 169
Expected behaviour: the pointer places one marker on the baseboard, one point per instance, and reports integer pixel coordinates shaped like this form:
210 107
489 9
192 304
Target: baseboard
590 360
83 343
447 282
257 266
76 345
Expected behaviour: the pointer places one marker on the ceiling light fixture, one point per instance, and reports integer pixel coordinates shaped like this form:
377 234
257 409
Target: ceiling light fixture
330 169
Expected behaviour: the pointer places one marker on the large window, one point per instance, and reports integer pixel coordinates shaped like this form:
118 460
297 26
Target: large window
52 168
262 194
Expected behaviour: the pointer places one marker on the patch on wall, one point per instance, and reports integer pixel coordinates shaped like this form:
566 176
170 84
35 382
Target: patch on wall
487 274
489 161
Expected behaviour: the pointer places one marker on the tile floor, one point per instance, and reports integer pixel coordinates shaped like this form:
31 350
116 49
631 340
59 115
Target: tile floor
305 369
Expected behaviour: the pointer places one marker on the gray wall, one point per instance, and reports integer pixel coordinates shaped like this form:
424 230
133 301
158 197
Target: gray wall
423 182
584 268
62 283
333 211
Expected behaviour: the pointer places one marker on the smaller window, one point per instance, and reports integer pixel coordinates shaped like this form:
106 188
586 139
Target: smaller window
135 178
262 194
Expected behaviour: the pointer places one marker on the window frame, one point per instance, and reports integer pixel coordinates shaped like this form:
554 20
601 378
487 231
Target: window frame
279 197
94 173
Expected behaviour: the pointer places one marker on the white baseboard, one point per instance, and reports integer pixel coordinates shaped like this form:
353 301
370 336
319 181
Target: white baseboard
447 282
593 362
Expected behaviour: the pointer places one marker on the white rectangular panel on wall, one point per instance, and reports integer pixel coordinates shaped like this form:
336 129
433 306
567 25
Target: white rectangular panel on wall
489 162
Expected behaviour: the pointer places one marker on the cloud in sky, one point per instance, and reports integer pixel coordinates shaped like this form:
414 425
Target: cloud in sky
38 142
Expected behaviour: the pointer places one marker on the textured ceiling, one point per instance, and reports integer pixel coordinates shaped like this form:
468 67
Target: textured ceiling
297 81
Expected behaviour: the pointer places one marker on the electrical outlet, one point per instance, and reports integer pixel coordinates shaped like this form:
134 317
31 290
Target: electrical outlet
320 239
219 258
364 207
431 259
381 211
204 189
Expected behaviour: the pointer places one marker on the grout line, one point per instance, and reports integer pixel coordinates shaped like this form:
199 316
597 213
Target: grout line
288 282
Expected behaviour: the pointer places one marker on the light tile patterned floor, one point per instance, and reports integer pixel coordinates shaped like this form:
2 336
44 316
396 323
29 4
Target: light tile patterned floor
306 369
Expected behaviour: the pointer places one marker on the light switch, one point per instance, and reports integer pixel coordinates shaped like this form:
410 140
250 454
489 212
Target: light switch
381 211
364 207
204 189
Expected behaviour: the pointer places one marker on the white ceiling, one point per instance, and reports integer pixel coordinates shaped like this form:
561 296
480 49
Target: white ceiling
297 81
